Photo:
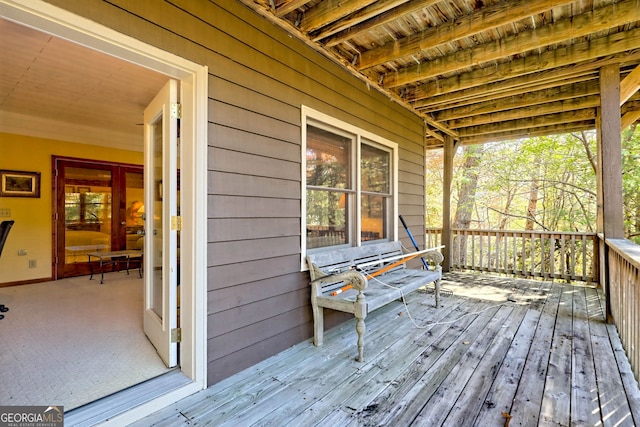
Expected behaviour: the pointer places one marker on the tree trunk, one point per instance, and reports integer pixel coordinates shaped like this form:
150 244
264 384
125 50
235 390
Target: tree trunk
466 198
532 207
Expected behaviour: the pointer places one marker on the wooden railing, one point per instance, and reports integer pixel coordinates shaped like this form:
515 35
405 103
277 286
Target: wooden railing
553 255
624 296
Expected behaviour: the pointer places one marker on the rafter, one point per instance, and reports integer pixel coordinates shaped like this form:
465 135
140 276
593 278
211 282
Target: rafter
509 135
527 123
629 118
289 6
521 100
369 12
582 25
411 6
630 85
483 20
577 104
519 74
328 11
491 94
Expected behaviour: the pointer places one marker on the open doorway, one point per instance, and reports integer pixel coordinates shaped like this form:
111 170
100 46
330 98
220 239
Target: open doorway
112 46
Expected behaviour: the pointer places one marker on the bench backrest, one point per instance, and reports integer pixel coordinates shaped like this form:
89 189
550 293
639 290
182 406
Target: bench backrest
335 261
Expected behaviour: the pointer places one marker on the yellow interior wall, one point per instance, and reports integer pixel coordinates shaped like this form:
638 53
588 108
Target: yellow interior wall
33 229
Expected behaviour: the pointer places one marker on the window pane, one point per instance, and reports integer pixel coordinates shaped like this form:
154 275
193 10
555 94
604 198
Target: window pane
375 166
374 214
326 218
327 159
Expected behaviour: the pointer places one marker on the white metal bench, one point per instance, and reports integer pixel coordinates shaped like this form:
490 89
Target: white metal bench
340 282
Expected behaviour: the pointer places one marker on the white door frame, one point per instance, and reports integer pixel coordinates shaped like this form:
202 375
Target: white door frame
193 79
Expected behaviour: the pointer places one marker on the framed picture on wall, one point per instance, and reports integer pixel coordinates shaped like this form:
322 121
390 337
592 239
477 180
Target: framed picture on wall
19 184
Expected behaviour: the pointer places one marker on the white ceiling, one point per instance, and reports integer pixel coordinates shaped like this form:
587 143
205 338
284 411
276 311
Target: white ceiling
52 88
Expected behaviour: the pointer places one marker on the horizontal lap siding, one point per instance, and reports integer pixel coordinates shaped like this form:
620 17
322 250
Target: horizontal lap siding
258 300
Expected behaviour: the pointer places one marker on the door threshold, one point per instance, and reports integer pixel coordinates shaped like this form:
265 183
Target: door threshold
109 407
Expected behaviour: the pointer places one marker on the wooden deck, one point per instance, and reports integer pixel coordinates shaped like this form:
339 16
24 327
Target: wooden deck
500 352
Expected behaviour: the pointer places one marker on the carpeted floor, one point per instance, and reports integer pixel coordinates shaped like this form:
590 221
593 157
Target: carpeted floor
73 341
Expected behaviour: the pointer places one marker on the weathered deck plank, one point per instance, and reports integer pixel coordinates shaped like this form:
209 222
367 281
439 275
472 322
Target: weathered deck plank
556 400
584 399
538 352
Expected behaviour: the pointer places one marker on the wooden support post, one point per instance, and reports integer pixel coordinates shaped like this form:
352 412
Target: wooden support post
609 174
449 153
610 155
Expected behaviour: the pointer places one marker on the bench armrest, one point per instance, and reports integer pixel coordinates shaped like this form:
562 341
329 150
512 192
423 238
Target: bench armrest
433 258
351 277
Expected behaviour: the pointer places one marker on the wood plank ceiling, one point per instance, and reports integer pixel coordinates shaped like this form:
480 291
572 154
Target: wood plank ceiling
479 70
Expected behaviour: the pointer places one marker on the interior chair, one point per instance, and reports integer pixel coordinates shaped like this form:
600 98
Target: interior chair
5 227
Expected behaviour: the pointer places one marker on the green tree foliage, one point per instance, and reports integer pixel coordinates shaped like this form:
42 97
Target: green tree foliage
631 182
548 183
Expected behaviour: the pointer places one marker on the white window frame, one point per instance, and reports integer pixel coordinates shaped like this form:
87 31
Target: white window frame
322 120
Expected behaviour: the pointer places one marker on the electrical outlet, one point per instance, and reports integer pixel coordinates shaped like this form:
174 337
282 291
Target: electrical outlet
22 252
33 263
5 212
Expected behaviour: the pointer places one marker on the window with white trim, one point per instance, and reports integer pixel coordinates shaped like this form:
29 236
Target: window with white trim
349 184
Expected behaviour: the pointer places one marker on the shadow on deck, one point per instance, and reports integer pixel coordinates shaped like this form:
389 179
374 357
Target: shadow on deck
500 351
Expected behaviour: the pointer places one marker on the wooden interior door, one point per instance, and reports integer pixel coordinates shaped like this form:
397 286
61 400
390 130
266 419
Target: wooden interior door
92 211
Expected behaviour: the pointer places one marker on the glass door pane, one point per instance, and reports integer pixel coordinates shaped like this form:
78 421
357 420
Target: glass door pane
135 212
88 199
156 212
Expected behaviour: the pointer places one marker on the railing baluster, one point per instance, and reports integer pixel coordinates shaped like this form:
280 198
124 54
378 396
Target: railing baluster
574 250
563 256
481 251
515 254
530 257
473 252
584 256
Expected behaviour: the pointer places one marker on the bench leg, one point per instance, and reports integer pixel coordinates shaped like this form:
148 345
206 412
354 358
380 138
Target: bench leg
360 314
437 286
318 325
360 329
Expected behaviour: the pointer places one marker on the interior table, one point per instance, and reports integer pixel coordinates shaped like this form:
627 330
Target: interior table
114 257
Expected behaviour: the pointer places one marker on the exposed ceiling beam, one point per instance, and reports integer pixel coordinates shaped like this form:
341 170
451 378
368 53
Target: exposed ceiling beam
411 6
485 19
289 6
521 100
629 85
497 91
576 104
526 123
371 11
519 73
629 118
441 127
433 134
566 29
328 11
529 133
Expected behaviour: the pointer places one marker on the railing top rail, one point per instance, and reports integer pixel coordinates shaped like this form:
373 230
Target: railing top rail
527 232
627 249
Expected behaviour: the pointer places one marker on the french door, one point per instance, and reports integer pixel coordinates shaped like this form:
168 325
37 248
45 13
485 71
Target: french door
98 208
161 223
